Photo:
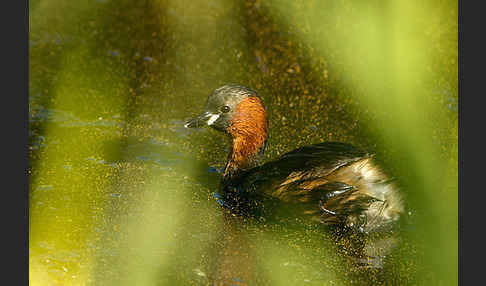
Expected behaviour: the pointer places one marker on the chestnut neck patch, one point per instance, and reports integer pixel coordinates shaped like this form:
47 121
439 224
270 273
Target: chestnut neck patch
248 129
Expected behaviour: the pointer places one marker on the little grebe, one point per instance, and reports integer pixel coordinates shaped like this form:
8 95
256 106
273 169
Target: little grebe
331 182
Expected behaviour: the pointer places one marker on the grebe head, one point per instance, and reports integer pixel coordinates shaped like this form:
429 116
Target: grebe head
221 107
238 111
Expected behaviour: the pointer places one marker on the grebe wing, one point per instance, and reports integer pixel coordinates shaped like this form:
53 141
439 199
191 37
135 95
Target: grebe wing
338 183
326 157
303 169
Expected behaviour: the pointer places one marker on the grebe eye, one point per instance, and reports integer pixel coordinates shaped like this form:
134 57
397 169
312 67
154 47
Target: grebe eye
225 109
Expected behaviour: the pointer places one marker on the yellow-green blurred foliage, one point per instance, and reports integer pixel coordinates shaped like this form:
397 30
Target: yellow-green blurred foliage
120 193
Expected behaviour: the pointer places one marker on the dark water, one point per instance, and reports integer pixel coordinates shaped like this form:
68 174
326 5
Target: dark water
122 194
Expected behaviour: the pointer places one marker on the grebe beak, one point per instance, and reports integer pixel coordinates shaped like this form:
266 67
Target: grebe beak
205 118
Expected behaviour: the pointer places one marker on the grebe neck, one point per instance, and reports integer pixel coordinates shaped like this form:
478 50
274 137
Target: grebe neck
248 130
